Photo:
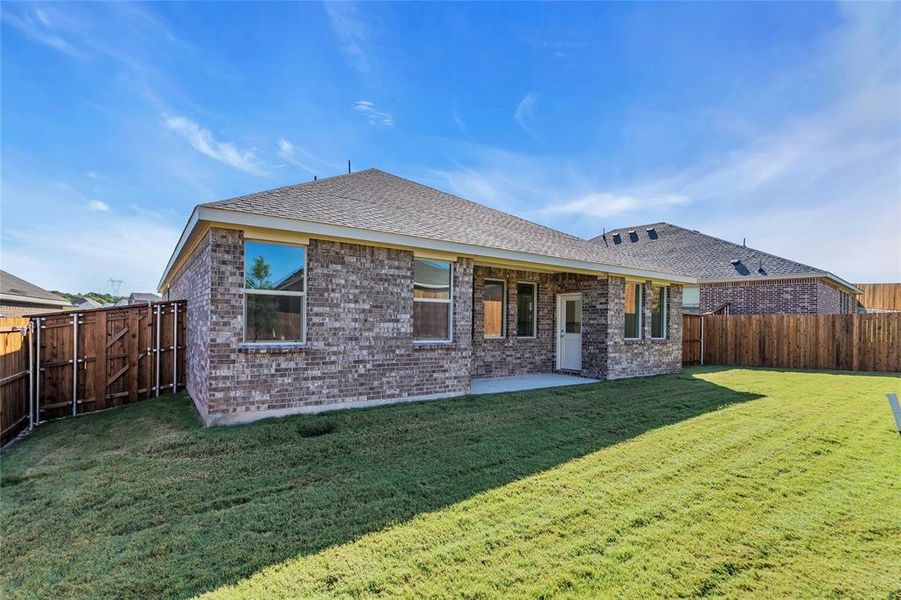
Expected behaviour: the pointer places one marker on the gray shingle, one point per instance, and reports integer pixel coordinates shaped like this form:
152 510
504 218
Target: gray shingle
10 284
378 201
703 256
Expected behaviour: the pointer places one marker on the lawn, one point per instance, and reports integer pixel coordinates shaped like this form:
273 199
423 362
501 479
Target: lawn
719 482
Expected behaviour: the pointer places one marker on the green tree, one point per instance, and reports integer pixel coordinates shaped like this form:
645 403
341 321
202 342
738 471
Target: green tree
261 309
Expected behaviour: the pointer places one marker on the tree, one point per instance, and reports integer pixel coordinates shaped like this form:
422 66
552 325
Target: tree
262 315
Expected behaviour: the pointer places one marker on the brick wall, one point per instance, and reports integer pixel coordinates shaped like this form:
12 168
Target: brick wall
360 346
512 355
194 285
359 334
783 296
645 356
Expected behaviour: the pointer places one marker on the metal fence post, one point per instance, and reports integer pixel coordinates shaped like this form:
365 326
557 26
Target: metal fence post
702 340
157 366
30 375
174 348
75 364
37 373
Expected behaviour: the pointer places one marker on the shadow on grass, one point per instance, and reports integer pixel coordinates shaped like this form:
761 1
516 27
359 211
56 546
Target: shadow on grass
699 369
143 502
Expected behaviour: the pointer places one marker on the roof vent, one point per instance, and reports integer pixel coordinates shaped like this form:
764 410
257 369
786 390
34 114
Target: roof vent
761 270
735 261
652 233
617 238
633 236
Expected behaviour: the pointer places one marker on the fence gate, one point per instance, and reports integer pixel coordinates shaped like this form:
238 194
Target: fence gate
91 360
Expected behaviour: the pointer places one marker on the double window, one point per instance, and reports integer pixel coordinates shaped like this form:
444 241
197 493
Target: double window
432 305
658 311
632 311
274 293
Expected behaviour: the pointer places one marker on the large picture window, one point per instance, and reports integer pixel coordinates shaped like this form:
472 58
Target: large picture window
494 308
526 309
633 311
274 293
658 312
432 305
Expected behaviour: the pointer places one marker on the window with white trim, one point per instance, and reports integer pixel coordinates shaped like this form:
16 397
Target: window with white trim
526 309
432 300
659 300
274 293
632 311
494 308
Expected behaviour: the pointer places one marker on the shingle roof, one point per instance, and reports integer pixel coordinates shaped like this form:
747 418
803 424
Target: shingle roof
703 256
142 297
16 286
378 201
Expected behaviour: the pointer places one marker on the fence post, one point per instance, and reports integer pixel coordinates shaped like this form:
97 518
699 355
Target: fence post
74 364
157 366
702 340
30 375
174 348
37 374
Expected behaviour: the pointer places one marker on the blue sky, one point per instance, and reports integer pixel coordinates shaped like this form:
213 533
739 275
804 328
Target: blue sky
779 123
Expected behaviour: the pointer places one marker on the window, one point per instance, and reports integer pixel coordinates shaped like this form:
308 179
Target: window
526 309
658 311
494 308
431 301
274 293
691 297
633 311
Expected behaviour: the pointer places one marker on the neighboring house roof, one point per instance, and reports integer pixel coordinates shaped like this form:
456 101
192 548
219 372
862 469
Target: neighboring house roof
16 289
375 206
83 302
143 298
706 257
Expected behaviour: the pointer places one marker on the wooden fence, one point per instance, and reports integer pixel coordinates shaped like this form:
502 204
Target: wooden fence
91 360
880 295
692 329
869 342
14 380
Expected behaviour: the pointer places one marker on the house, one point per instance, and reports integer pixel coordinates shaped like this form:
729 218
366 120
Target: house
141 298
369 288
85 303
732 278
20 298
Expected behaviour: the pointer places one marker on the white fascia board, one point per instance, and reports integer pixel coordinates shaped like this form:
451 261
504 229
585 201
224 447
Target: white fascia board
207 213
185 234
33 300
811 275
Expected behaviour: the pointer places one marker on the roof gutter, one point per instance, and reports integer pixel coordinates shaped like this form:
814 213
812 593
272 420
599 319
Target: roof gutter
812 275
208 213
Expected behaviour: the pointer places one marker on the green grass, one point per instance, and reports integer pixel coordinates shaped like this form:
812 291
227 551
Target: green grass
712 482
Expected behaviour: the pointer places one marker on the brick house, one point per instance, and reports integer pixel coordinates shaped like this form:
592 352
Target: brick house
733 278
368 288
20 298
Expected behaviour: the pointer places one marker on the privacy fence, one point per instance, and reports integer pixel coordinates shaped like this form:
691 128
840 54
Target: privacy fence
856 342
64 364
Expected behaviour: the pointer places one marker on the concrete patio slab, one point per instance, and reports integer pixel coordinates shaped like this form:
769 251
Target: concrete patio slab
495 385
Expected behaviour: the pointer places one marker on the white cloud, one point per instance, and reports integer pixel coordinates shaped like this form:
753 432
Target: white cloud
299 157
93 175
604 204
351 31
375 117
82 254
98 205
523 112
203 141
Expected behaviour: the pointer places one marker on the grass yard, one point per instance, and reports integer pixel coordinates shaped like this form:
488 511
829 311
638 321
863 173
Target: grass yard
719 482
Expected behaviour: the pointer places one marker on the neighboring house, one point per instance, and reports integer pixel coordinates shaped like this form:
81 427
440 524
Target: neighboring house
85 303
368 288
732 278
19 298
141 298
